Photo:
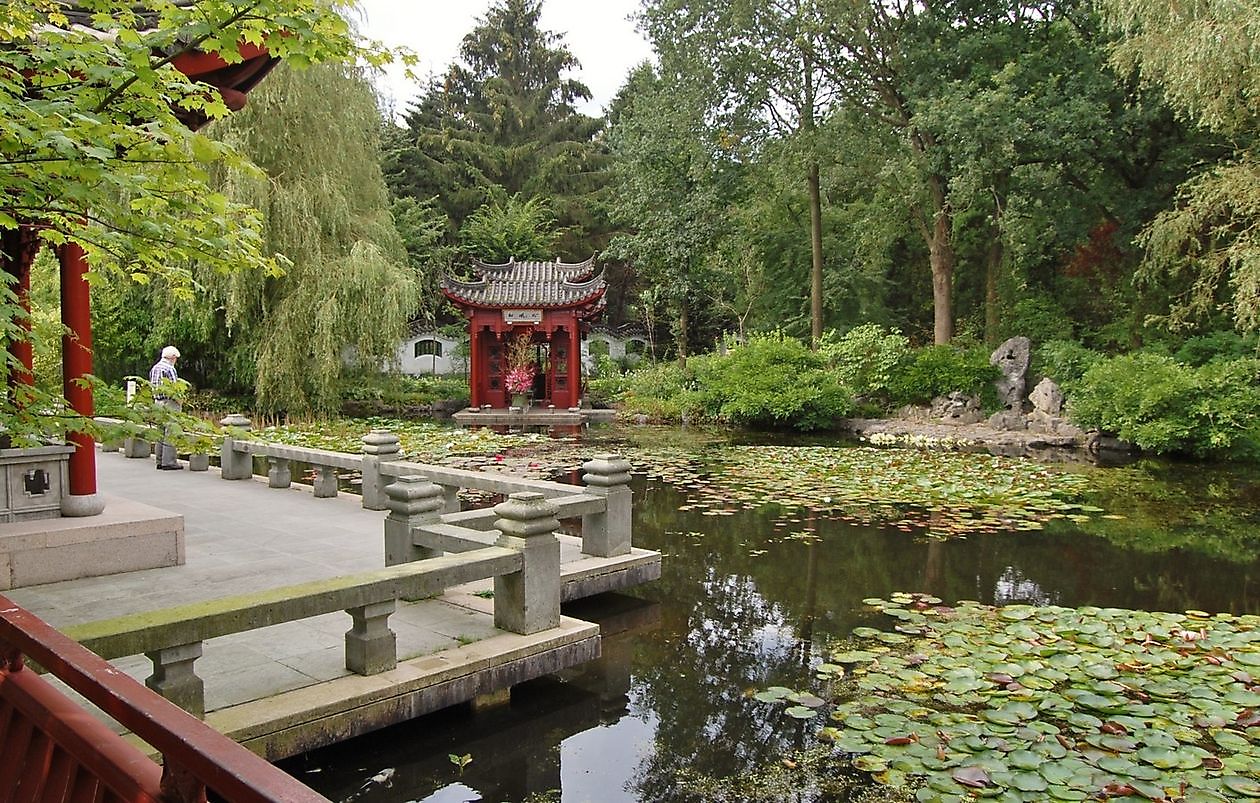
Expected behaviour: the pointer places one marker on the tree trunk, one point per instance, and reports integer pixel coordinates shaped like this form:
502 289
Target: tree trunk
941 258
816 257
993 263
682 335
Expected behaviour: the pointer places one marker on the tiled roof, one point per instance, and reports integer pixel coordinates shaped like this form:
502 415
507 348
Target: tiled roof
529 285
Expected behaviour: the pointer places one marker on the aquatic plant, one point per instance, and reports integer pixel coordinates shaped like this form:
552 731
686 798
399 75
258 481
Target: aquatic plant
1028 703
940 494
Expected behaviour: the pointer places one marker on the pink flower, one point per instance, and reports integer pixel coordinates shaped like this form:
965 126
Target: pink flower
519 379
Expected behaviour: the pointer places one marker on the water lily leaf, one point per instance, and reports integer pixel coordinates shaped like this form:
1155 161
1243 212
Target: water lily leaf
1242 697
773 694
1029 782
806 699
1230 740
1160 757
800 712
853 657
973 777
1247 787
870 763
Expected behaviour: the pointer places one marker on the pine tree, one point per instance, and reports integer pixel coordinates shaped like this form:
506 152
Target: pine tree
503 122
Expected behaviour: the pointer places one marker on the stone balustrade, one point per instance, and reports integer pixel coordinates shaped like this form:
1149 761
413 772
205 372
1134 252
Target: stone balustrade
439 525
172 638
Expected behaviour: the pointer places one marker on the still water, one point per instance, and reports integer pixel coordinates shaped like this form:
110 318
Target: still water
749 600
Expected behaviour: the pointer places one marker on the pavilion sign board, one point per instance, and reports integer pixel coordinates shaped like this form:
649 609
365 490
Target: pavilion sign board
515 316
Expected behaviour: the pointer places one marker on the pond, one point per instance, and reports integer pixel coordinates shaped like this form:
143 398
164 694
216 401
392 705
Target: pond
753 590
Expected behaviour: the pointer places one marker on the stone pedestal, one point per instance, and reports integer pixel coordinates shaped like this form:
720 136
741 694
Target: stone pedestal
33 482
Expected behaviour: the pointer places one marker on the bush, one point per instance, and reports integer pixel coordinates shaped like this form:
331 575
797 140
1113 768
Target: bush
1214 346
772 381
937 370
1064 361
865 359
1167 407
1041 319
662 392
401 390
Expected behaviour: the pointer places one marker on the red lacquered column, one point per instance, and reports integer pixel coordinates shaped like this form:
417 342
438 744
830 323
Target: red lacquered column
76 363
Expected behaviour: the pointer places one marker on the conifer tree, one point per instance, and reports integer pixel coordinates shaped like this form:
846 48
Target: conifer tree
502 122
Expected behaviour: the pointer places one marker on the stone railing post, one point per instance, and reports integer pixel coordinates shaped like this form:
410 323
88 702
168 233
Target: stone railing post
371 647
235 465
173 677
607 534
529 600
450 496
279 475
412 501
325 482
378 445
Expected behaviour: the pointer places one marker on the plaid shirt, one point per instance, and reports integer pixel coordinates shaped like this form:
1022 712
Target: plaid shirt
160 371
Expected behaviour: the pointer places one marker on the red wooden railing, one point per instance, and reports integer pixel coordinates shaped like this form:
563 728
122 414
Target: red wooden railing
55 750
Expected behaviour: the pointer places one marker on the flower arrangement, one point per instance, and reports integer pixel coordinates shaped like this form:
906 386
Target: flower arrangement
519 379
520 359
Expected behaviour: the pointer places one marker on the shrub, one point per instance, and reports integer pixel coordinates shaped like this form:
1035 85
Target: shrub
1214 346
1040 318
772 381
1064 361
1167 407
937 370
662 392
865 358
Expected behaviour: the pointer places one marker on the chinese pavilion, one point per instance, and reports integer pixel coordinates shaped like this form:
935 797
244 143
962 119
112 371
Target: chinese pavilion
548 306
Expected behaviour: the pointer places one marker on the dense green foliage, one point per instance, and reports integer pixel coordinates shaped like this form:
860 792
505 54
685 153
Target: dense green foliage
501 122
770 382
774 381
940 370
95 149
1166 406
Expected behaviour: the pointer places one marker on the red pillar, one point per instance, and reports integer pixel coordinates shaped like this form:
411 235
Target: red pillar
575 363
475 364
76 363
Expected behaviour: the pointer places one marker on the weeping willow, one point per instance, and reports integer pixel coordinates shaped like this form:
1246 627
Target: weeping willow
345 293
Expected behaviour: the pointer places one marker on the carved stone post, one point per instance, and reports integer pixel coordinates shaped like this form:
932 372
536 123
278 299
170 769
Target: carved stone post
325 482
235 465
607 534
378 445
412 501
529 600
278 473
450 496
173 677
371 647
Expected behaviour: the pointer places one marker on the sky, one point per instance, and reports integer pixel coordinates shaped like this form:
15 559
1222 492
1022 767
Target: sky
597 32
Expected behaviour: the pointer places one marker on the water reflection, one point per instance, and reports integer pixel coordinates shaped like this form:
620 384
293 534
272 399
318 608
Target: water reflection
742 604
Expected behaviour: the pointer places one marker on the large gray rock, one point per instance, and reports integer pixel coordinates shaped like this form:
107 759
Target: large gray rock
1008 421
1047 397
1011 358
957 408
